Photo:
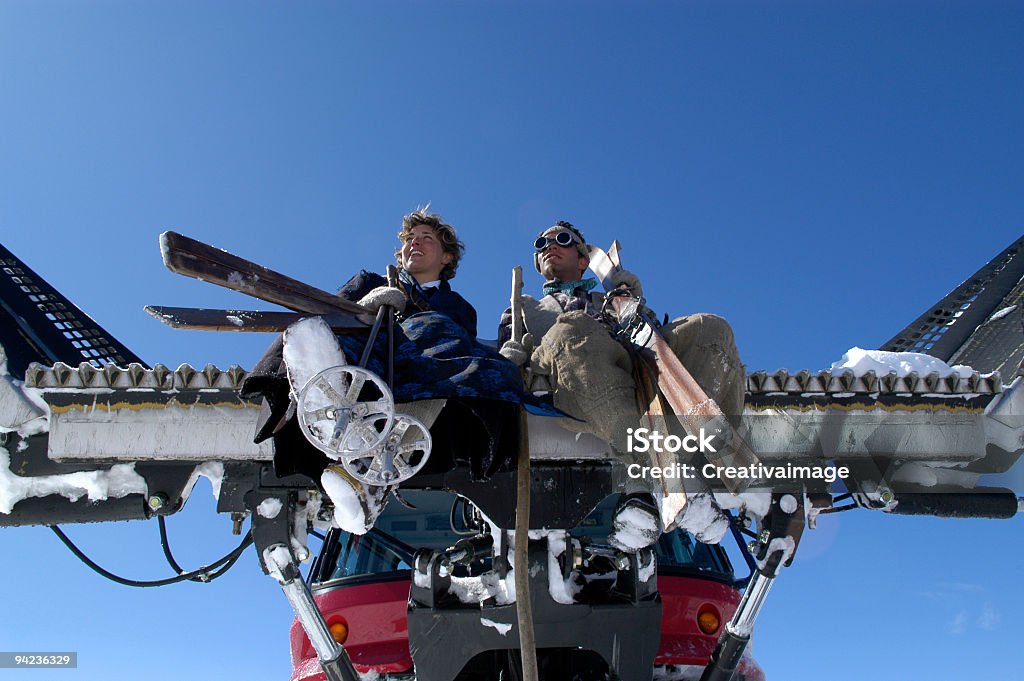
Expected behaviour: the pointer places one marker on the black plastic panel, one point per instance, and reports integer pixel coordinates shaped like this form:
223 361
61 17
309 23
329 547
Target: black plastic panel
39 324
947 326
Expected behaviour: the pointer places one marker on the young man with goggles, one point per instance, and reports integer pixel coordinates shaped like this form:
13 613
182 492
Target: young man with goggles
590 373
564 238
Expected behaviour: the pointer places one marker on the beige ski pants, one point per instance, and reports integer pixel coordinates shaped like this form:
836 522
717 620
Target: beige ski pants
591 374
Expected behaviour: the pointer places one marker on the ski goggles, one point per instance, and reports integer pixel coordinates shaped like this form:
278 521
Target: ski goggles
561 238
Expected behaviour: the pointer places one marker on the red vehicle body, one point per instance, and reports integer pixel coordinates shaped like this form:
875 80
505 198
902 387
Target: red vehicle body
362 584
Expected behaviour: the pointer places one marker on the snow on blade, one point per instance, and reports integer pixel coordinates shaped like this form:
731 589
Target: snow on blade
756 504
119 481
300 535
1002 313
784 544
40 424
503 629
562 590
269 508
212 471
479 589
677 672
21 409
861 361
645 572
488 585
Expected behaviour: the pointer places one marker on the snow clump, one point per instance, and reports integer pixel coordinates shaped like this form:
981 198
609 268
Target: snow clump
119 481
861 361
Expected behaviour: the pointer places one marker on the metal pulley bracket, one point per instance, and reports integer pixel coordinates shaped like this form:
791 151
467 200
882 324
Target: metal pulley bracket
346 411
402 453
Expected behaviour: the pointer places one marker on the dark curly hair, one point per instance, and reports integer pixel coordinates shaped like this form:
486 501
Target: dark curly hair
445 233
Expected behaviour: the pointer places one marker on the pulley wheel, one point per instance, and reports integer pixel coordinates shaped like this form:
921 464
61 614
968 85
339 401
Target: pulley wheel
401 454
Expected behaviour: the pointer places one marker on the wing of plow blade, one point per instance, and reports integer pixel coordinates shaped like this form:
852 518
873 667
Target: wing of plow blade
83 444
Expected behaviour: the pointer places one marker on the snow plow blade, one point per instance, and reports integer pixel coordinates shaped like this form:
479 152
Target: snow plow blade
882 429
83 445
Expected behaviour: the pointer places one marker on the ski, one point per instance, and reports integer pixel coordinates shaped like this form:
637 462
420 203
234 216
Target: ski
673 494
253 321
683 394
192 258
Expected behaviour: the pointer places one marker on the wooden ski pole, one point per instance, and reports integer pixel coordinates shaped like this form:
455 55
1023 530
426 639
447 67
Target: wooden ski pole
392 274
524 604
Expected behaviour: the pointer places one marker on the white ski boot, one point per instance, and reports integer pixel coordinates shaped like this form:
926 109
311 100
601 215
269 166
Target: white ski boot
356 506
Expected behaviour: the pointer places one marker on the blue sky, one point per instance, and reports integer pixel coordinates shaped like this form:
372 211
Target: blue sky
818 173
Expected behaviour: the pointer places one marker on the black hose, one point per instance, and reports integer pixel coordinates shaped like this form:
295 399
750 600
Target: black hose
166 546
838 509
203 574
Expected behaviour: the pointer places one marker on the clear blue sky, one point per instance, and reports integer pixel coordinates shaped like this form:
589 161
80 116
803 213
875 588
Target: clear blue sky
818 173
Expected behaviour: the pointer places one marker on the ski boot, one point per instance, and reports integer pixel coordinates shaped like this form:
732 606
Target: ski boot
356 506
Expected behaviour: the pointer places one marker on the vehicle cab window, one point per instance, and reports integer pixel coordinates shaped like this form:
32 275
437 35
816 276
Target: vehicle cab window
439 519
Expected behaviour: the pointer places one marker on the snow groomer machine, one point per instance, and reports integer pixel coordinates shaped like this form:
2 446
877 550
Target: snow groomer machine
511 574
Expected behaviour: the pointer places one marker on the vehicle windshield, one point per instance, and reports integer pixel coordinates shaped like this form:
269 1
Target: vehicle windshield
437 520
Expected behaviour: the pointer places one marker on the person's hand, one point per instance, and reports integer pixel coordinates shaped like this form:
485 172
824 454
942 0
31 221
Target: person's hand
381 296
630 281
518 352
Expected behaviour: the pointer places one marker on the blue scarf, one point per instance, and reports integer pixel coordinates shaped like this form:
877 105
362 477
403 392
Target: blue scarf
569 286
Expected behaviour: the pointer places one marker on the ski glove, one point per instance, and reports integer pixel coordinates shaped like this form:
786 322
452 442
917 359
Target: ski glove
631 281
518 352
381 296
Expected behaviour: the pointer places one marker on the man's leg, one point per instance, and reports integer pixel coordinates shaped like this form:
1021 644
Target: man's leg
591 375
705 345
592 378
